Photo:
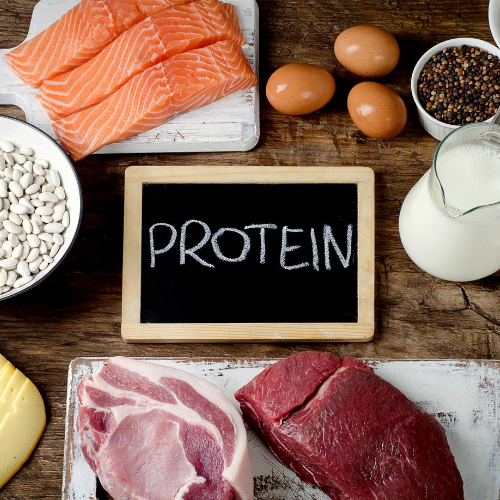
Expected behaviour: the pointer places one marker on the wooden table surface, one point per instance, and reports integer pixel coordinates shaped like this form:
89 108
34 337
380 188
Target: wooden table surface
77 311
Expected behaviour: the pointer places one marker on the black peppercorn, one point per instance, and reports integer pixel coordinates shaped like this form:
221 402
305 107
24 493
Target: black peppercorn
460 84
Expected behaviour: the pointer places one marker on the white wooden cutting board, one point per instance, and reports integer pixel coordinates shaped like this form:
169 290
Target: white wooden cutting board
230 124
463 395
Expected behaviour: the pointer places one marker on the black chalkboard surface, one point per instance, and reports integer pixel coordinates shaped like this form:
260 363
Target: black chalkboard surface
269 251
233 277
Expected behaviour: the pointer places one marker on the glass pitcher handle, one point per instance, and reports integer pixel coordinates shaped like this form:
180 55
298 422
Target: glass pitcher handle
493 134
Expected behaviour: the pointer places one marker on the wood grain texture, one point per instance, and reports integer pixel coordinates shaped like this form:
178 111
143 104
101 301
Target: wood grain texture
78 311
134 331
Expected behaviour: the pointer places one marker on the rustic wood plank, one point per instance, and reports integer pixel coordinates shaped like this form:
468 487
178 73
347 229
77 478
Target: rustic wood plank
77 312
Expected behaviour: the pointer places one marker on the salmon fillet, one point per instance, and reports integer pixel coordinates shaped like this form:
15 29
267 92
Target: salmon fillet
153 40
78 36
179 84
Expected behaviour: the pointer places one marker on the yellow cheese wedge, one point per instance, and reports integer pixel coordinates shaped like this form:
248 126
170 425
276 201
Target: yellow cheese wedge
22 419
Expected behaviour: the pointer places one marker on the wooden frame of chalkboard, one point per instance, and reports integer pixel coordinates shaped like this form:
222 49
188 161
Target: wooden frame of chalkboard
135 330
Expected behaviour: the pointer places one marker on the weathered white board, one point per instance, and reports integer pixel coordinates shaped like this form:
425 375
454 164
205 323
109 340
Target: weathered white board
463 395
230 124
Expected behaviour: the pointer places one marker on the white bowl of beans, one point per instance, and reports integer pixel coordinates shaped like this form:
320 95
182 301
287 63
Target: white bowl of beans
40 206
440 129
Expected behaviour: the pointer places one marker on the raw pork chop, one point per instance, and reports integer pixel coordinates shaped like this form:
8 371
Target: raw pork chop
340 426
156 433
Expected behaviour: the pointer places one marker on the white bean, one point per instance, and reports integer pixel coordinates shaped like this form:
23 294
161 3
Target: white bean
26 151
58 212
44 265
3 233
43 210
9 159
17 251
43 247
58 239
8 264
11 277
12 197
28 165
53 227
6 146
54 250
34 224
19 208
13 217
32 189
26 250
38 169
48 196
22 281
33 266
23 268
3 188
65 219
47 219
33 255
4 214
2 253
13 228
48 188
55 178
26 180
48 258
2 162
37 203
18 158
22 236
60 193
39 179
27 226
16 188
17 173
3 277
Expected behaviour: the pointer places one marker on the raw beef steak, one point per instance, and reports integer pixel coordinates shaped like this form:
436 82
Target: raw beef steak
156 433
340 426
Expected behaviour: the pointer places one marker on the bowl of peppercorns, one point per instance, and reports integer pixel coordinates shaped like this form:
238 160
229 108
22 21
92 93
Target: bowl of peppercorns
455 83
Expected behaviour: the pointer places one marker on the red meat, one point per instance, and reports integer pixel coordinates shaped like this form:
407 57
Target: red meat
340 426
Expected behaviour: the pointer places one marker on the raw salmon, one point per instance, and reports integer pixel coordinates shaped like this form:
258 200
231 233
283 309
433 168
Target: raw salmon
179 84
78 36
153 40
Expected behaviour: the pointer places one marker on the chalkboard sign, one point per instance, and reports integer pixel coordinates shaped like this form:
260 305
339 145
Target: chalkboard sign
248 254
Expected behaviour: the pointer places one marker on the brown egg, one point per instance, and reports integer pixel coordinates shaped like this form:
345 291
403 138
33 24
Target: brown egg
298 89
376 110
367 51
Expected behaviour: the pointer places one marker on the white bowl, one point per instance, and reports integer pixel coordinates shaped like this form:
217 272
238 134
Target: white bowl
439 130
24 134
494 20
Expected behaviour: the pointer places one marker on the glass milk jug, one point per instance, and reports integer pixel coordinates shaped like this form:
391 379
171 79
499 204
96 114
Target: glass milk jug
450 221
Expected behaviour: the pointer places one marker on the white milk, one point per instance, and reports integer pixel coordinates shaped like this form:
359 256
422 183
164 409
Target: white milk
456 249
